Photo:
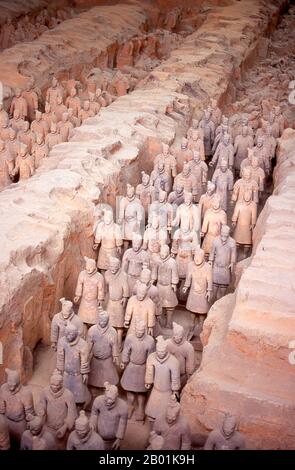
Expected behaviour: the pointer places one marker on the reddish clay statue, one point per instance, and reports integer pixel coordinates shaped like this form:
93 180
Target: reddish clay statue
134 260
169 163
131 214
183 350
36 437
19 104
226 438
140 307
24 163
199 170
83 437
61 319
224 181
108 237
213 220
206 200
244 220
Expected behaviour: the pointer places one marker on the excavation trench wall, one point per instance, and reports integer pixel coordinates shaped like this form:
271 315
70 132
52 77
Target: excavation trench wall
46 222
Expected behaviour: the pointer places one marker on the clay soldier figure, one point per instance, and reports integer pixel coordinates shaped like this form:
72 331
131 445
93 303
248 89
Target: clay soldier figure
226 438
48 117
59 108
19 104
196 142
208 128
73 363
3 114
108 237
53 138
93 105
221 131
6 166
57 408
166 274
224 151
31 98
17 123
213 220
125 55
85 112
224 182
36 435
145 192
279 121
257 173
39 126
155 236
25 136
199 283
176 197
61 319
4 129
134 260
83 437
118 292
163 376
206 200
17 405
246 183
73 101
140 307
121 84
90 290
173 427
12 144
243 221
159 179
243 142
7 34
103 352
109 417
247 161
216 113
187 180
188 211
262 152
222 258
184 154
164 211
4 431
270 142
169 163
24 163
53 92
199 170
245 123
183 350
137 347
185 241
153 294
39 150
131 215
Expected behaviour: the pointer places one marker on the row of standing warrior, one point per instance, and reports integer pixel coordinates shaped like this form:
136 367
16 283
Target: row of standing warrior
176 222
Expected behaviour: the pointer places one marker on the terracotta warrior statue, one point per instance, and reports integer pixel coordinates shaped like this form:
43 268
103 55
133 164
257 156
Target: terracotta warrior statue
222 258
166 275
185 241
208 128
224 181
19 104
61 319
137 347
131 215
199 283
73 364
6 166
48 117
16 404
57 408
243 221
24 163
213 220
184 154
108 238
206 200
243 142
153 294
173 427
257 173
25 136
90 290
155 236
83 437
188 212
215 113
17 122
246 183
53 92
160 179
39 150
5 129
183 350
73 101
12 144
164 211
59 108
4 431
176 197
145 192
103 352
31 99
140 307
224 151
109 417
85 112
36 437
196 142
163 377
134 260
199 170
3 114
53 138
227 437
169 163
116 281
187 180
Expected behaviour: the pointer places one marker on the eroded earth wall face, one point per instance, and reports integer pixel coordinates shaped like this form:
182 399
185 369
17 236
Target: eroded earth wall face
47 221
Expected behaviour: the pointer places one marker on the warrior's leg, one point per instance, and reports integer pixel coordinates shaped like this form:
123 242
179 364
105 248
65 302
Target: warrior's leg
169 318
130 402
120 338
139 415
215 292
222 292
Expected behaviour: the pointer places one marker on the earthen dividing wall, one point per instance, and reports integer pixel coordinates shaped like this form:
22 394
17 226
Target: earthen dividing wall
46 222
